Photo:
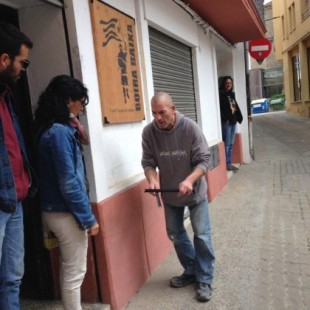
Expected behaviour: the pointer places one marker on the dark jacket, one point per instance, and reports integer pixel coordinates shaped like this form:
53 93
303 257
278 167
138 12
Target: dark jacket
226 112
8 197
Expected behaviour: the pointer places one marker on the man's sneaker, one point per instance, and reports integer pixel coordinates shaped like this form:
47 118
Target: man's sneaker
204 292
234 168
231 168
182 280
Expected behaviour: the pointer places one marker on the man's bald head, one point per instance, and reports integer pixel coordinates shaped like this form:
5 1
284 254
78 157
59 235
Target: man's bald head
163 110
162 98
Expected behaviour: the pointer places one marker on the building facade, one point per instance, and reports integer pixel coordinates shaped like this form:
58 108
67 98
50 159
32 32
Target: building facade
292 44
266 79
124 51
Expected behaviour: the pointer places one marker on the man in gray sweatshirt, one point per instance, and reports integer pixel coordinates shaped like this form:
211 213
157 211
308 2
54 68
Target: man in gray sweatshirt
176 146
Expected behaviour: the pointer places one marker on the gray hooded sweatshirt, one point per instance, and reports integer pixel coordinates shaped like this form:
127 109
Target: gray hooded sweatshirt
176 153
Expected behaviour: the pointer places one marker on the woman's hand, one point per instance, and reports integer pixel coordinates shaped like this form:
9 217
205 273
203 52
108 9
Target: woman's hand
93 230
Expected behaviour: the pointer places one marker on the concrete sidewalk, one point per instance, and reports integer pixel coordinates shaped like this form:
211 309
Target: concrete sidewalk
261 230
57 305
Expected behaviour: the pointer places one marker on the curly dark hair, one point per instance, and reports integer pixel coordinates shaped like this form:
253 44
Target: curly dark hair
53 101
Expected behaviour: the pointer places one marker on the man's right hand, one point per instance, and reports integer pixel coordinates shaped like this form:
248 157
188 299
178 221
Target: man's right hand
151 177
153 184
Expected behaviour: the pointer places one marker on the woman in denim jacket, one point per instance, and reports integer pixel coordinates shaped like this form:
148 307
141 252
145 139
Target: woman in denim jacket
64 201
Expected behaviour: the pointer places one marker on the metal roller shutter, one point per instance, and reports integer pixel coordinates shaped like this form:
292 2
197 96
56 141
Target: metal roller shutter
173 71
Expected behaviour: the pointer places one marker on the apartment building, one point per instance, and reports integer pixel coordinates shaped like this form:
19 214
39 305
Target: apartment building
292 44
266 79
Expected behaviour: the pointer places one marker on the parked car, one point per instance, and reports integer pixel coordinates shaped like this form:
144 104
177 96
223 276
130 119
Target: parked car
260 105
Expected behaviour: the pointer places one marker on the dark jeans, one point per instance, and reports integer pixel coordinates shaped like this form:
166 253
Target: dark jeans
228 133
199 258
11 257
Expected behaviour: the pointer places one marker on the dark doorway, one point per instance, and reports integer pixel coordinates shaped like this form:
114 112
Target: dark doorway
37 281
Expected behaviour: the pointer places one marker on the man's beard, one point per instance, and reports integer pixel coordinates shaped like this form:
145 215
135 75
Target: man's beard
7 77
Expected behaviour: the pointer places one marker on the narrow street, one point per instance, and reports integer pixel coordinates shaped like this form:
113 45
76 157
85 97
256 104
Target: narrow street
261 230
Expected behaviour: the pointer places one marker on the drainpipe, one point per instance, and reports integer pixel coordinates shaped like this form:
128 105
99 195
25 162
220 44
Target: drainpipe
248 99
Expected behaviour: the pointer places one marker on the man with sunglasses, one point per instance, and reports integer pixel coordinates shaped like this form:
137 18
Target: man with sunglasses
16 175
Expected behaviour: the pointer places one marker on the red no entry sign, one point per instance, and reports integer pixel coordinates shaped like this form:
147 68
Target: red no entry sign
259 49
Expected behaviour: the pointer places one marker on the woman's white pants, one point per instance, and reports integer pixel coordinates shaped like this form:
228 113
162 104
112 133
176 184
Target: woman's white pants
73 244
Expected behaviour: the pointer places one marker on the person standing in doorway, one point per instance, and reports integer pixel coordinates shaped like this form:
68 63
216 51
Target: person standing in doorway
230 115
17 179
66 209
176 146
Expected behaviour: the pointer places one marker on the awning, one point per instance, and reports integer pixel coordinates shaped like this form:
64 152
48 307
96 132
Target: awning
235 20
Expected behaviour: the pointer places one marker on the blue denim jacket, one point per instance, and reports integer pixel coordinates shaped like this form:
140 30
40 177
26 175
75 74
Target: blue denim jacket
62 177
8 196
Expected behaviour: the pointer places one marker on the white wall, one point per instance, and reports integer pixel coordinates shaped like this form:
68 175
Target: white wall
169 18
113 158
207 89
240 90
224 55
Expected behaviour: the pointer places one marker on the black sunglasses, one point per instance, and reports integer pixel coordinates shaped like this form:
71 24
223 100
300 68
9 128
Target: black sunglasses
83 102
25 63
